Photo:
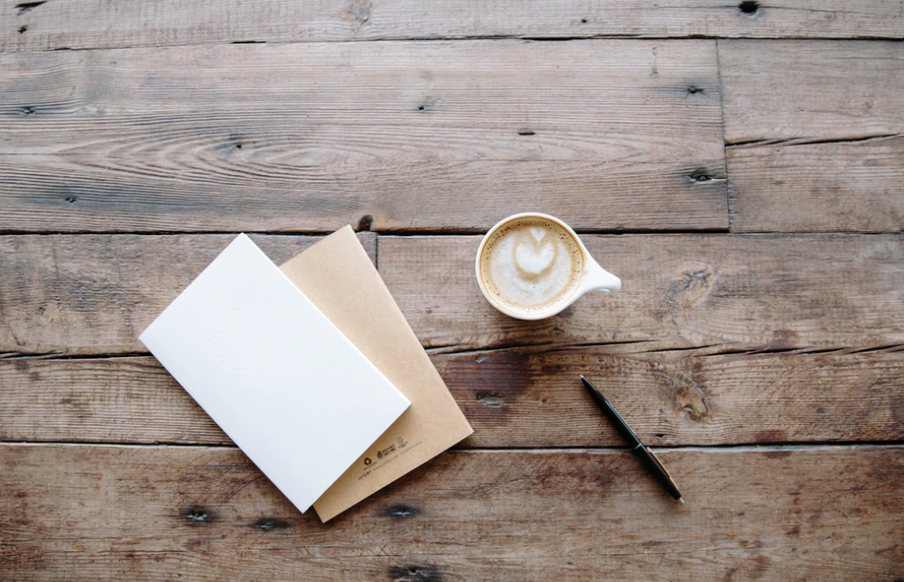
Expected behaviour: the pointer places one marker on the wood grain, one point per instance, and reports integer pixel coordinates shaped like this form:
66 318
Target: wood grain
513 398
440 136
94 294
368 112
784 99
811 90
830 187
207 514
679 291
532 397
99 24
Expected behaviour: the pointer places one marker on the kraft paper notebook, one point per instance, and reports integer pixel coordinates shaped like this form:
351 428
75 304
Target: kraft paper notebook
338 276
273 372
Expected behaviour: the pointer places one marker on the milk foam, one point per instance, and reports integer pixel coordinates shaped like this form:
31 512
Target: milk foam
531 265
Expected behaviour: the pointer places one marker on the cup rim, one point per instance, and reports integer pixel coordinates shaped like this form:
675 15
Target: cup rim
503 308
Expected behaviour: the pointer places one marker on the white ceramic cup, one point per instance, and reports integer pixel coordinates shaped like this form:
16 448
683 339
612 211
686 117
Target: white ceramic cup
525 252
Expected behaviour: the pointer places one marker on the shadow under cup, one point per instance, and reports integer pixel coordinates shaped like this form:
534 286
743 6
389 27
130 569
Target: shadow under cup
530 266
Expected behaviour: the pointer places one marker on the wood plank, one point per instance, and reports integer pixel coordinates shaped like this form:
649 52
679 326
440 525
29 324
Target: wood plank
98 24
831 187
89 512
726 291
94 294
811 90
786 98
513 398
445 136
124 400
532 398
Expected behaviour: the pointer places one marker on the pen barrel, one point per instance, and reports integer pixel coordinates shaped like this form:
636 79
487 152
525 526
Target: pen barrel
654 466
649 460
614 417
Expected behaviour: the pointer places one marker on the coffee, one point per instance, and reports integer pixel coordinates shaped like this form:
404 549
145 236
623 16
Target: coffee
531 265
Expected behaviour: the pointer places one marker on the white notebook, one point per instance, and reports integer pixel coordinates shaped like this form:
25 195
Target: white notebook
273 372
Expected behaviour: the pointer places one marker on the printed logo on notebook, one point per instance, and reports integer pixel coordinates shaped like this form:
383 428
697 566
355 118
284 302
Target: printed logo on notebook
239 345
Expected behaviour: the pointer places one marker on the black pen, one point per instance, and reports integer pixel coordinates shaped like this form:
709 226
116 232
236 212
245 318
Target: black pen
650 461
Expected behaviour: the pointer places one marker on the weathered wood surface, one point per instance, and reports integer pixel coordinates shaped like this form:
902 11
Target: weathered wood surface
532 397
679 291
93 294
513 398
811 90
828 187
419 136
827 513
98 24
783 99
717 341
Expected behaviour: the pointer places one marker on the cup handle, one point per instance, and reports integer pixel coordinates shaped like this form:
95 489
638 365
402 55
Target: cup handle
598 278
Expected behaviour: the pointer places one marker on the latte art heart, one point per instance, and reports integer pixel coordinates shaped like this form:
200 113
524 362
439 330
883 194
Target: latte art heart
535 259
531 265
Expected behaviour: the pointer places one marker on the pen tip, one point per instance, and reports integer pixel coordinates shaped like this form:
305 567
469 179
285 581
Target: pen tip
681 499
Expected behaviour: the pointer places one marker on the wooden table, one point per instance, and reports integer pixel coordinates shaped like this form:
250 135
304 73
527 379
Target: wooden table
741 167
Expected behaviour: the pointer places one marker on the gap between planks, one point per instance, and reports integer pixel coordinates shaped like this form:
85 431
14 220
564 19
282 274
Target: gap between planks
735 448
427 231
724 143
806 141
466 38
712 350
439 233
452 232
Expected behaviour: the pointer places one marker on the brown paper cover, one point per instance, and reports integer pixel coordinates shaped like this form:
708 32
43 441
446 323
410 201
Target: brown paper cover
338 277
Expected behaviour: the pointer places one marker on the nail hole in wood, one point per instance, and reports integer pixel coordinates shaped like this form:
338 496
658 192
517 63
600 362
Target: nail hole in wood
198 515
490 399
366 223
401 511
265 524
749 7
26 6
415 573
23 28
